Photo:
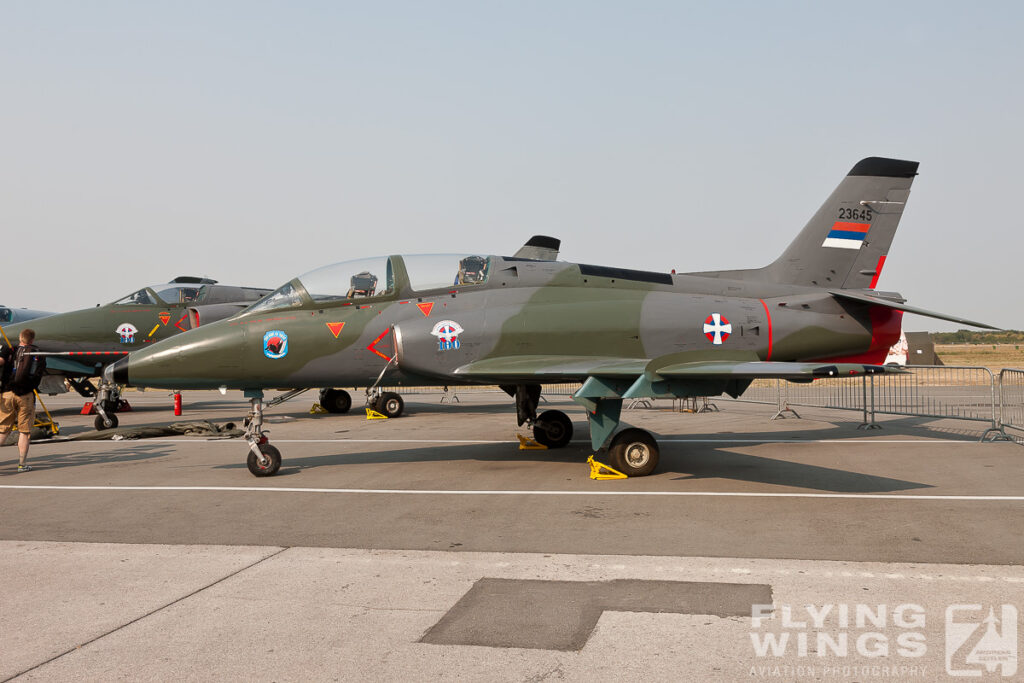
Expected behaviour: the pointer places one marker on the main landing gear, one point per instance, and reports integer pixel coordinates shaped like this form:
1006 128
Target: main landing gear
389 403
552 428
335 400
632 451
264 460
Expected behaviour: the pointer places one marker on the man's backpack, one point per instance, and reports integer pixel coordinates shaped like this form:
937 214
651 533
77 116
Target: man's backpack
26 370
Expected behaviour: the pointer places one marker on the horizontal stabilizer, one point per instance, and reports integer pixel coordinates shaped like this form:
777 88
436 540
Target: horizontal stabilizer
897 306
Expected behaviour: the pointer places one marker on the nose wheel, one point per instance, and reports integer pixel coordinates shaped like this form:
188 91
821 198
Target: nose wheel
264 460
267 463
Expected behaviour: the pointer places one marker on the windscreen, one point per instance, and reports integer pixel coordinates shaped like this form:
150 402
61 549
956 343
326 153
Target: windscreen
283 297
139 298
181 294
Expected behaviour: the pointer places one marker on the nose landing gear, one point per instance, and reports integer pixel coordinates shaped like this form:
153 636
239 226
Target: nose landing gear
264 460
108 398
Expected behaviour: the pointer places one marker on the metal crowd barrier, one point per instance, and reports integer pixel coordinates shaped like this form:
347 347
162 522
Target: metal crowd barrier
941 392
1011 399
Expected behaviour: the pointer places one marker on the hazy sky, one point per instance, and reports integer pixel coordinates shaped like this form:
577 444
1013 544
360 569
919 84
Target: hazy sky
253 141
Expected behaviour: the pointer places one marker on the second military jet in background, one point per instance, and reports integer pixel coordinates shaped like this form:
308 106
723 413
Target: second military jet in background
79 344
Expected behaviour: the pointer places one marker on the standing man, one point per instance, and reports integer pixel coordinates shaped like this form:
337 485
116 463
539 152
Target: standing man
20 374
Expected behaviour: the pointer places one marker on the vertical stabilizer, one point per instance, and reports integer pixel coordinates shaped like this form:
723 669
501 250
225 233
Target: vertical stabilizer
845 243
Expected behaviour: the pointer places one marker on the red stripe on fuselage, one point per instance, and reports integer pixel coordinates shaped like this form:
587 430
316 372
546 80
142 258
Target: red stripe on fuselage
769 316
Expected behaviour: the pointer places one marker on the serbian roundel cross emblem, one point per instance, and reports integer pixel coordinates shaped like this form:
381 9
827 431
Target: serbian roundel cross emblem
716 328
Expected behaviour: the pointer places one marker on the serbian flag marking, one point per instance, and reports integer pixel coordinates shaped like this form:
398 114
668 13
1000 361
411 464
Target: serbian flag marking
844 235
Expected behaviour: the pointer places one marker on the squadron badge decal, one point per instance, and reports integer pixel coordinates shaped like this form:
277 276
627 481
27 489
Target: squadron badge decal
716 328
127 331
275 344
447 333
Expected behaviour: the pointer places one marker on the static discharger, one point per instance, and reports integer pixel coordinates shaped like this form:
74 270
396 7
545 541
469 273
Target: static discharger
598 470
372 414
527 444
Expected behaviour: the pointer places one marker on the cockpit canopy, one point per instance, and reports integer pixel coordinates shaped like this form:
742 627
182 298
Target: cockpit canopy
190 292
375 277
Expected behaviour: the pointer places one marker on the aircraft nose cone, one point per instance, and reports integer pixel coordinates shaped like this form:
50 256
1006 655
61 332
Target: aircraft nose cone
117 372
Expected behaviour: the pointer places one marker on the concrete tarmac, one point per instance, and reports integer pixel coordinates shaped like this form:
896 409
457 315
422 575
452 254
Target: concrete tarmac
163 558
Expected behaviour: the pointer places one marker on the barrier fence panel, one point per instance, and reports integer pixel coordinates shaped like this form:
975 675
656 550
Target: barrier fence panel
957 392
1011 398
963 393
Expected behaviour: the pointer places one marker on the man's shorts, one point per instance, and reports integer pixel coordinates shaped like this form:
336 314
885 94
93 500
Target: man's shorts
20 409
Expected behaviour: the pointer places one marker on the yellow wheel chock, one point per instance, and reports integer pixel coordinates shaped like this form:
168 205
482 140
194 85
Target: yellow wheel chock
598 470
372 414
318 409
526 444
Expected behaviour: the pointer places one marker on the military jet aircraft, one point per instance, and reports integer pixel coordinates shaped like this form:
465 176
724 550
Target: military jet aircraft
79 344
10 315
521 322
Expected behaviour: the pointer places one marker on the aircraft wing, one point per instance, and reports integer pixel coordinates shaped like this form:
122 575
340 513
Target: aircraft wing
552 368
897 306
578 368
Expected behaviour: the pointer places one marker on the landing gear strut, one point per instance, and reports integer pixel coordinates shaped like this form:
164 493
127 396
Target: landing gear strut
264 460
108 398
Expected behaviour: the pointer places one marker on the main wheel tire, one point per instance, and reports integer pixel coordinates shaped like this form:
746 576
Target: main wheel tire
101 425
634 452
390 404
553 429
335 400
272 454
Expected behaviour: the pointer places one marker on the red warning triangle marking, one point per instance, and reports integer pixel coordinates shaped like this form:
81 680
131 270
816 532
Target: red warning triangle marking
165 318
335 328
426 308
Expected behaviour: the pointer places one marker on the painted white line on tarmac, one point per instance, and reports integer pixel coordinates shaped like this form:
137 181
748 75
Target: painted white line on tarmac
500 492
